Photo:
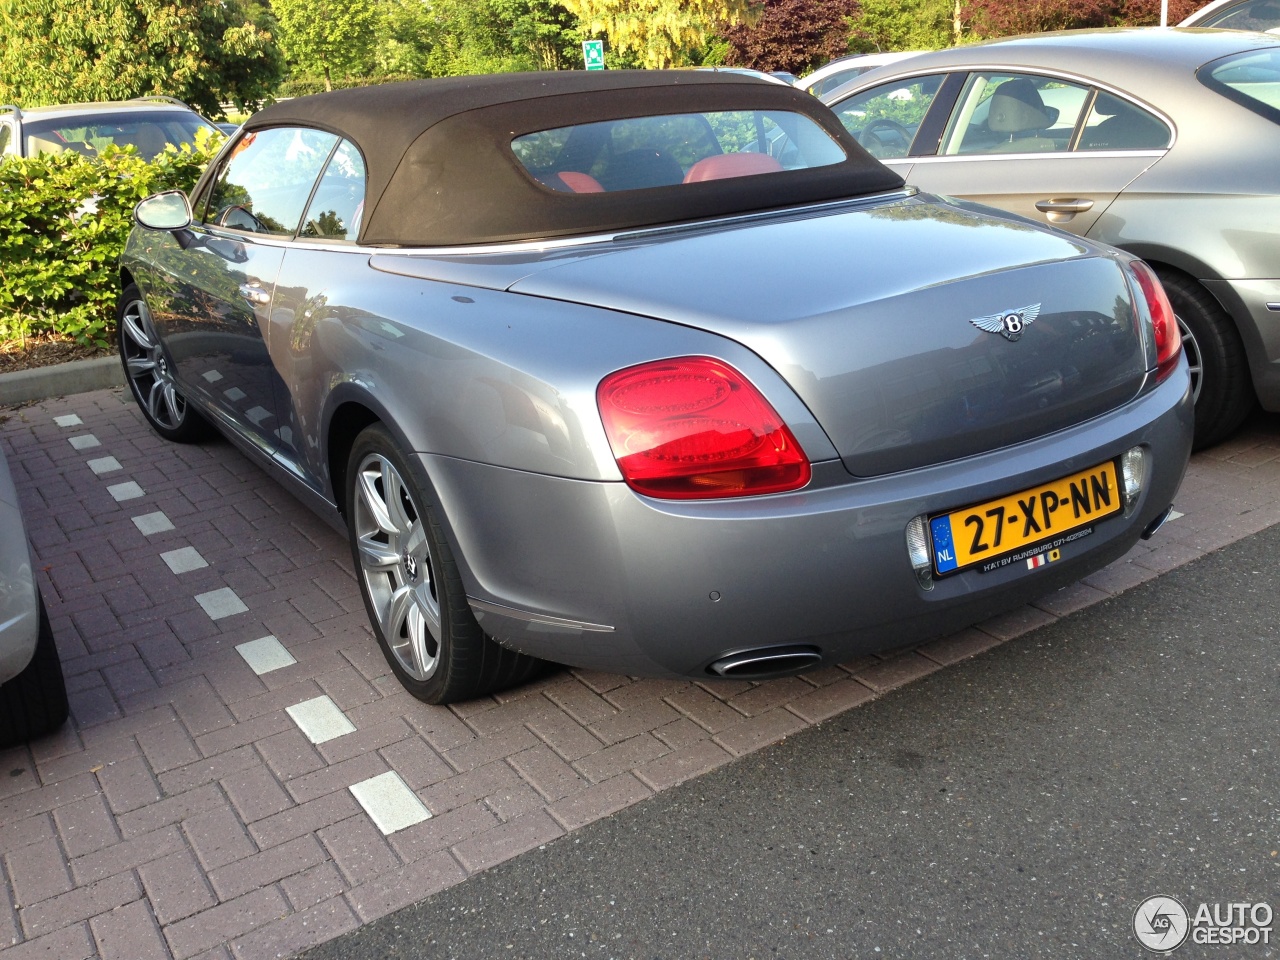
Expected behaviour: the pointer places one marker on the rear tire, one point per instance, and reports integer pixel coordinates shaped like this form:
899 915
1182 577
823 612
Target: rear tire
410 583
1224 388
35 701
149 374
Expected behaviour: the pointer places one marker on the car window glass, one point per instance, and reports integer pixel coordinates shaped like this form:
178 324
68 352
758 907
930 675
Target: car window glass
149 132
831 81
6 134
1250 79
1014 113
264 185
338 203
885 119
640 152
1259 15
1114 124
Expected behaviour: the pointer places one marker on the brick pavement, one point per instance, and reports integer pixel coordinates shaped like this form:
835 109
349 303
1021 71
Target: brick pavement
242 776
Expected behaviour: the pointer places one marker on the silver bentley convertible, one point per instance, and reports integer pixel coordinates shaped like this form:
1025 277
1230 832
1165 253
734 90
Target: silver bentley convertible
656 373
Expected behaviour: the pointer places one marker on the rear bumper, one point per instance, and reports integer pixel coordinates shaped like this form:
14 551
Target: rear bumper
592 575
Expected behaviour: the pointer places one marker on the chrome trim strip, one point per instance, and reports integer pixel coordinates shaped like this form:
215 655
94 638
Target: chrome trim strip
1274 306
524 246
530 617
1046 155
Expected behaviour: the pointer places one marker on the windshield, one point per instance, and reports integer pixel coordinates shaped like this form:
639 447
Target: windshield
638 152
1250 79
150 131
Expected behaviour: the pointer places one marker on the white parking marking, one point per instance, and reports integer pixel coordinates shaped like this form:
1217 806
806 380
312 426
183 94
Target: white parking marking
221 603
234 394
265 654
68 420
213 376
84 441
389 802
184 560
125 491
1174 515
256 415
320 719
104 465
150 523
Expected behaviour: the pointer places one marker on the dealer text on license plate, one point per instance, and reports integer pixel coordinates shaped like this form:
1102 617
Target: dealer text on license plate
998 528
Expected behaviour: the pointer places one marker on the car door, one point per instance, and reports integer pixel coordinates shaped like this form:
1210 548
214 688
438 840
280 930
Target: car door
222 279
1050 148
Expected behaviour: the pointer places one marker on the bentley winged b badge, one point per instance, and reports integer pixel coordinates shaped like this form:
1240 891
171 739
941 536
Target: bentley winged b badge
1008 323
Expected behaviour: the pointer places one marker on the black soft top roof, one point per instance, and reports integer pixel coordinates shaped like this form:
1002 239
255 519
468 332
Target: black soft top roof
441 171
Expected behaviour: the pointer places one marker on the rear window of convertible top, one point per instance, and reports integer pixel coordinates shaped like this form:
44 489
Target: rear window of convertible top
640 152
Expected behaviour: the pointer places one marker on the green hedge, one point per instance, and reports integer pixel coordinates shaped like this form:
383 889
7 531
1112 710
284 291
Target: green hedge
58 254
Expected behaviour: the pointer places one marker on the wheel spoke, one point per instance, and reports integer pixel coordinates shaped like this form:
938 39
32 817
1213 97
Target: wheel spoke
377 556
420 641
399 607
133 327
373 500
155 401
416 541
393 487
173 403
141 366
429 609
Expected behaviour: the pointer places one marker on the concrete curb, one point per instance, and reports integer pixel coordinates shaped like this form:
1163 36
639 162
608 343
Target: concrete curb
60 380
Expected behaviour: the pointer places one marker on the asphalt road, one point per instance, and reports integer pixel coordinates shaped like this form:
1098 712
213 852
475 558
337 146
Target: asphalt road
1021 804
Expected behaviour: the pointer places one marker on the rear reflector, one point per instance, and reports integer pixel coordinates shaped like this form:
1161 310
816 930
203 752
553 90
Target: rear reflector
694 428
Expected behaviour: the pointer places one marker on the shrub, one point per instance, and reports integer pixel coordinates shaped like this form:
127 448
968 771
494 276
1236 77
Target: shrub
64 220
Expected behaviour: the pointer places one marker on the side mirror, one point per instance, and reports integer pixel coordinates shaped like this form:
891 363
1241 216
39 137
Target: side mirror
164 211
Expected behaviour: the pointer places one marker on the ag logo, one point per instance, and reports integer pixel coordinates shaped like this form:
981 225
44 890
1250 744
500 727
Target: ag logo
1161 923
1008 323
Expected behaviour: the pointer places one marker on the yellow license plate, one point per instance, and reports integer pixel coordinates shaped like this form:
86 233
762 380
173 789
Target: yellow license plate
1001 528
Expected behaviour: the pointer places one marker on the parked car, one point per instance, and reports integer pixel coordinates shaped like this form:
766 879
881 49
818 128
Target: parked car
1260 15
33 697
149 124
1161 142
844 69
590 377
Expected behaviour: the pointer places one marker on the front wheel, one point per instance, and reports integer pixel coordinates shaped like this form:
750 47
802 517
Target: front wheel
150 378
1220 380
410 583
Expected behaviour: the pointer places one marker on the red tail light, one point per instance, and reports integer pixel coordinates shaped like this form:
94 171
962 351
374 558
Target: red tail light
694 428
1167 336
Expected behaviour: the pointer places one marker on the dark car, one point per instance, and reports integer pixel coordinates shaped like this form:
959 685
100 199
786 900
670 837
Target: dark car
149 124
590 376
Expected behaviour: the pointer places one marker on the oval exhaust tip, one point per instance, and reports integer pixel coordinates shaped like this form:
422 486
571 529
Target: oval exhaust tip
765 663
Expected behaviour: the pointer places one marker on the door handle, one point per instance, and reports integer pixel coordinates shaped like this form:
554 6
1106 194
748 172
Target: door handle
1064 206
254 293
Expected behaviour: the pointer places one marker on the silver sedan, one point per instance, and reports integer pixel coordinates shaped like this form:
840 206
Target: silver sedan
1161 142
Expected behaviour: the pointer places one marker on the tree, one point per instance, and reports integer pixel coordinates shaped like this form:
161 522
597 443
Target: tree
322 38
65 51
885 25
792 35
657 33
494 36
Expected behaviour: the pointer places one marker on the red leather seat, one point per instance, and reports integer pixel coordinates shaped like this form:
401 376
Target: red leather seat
580 182
725 165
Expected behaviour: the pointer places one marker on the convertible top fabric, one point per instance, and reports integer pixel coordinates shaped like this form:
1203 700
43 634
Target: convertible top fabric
441 171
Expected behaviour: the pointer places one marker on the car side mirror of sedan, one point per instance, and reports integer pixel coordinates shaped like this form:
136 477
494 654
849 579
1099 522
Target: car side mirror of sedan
164 211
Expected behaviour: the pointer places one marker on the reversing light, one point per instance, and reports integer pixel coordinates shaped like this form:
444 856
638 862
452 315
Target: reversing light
1163 320
918 551
1133 476
694 428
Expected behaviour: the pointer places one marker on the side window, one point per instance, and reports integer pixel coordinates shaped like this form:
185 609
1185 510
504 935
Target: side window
1014 113
1114 124
6 135
263 186
338 205
885 119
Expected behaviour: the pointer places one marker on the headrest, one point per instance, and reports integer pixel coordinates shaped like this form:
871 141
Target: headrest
721 166
1016 107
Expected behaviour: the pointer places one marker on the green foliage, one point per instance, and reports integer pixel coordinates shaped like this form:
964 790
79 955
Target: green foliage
498 36
327 38
885 25
58 254
69 51
658 33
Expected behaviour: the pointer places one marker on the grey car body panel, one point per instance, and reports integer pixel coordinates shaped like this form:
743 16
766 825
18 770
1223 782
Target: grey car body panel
825 566
1207 206
19 602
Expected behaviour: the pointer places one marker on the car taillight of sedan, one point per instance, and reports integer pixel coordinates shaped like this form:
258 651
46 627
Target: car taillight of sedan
1164 322
694 428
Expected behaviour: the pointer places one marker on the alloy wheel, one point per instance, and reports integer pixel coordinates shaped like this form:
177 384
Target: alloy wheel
397 566
148 369
1196 362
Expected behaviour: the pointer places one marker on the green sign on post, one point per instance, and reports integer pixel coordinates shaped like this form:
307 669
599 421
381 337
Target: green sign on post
593 54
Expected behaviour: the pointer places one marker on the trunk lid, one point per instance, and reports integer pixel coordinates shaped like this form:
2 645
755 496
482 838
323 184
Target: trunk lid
873 316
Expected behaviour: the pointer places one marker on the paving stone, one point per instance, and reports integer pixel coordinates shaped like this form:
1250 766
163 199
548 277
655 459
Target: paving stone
312 886
128 490
102 465
320 719
291 934
389 802
176 886
218 838
506 841
358 848
85 826
129 933
184 560
80 904
69 943
268 867
226 921
84 441
404 886
265 654
600 800
219 604
37 872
